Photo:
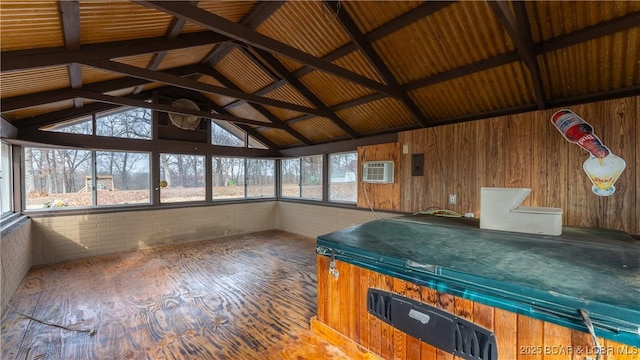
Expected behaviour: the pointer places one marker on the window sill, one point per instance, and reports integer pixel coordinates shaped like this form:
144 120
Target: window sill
11 222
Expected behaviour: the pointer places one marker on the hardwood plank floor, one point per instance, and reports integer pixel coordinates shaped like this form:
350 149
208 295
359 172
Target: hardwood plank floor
242 297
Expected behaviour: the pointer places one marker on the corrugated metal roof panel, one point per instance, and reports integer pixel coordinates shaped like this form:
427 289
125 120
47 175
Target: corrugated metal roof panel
29 25
141 61
283 114
370 15
288 63
182 57
586 68
501 87
38 110
376 115
104 21
305 25
333 90
218 99
457 35
93 75
279 137
33 81
243 72
319 129
288 94
230 10
247 111
356 62
550 19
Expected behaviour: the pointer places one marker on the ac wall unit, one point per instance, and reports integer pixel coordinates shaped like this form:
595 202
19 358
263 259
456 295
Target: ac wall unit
380 172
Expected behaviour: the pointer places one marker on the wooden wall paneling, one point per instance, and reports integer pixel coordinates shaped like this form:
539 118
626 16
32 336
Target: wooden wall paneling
429 296
399 337
530 337
464 167
636 223
375 325
556 154
490 156
335 313
446 303
364 318
386 335
436 147
413 345
381 196
345 296
538 158
580 340
354 303
322 306
505 328
618 134
518 142
554 337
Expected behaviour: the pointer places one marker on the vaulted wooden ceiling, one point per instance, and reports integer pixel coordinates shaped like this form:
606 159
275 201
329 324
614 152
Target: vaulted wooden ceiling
309 72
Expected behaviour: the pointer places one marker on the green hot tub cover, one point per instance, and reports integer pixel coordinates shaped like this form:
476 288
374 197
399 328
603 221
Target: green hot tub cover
546 277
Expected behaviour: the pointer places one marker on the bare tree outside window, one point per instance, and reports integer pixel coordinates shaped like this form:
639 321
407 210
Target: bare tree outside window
83 126
228 177
343 168
260 178
55 178
184 175
311 177
122 178
290 177
133 123
223 137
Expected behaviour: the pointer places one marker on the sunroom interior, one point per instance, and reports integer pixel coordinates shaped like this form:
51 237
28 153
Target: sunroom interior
133 125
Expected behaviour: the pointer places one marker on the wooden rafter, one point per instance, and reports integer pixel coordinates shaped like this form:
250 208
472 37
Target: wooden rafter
22 60
70 17
248 129
517 26
261 109
242 33
374 59
273 62
124 101
192 84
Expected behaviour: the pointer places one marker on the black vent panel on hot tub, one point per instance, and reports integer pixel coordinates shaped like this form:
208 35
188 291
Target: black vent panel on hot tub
433 326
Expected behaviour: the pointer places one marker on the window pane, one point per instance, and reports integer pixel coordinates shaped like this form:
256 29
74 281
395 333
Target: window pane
342 177
82 126
134 123
224 137
228 177
6 183
311 184
55 178
290 174
184 175
260 178
123 178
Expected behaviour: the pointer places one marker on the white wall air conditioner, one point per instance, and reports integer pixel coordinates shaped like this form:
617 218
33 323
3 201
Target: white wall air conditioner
380 172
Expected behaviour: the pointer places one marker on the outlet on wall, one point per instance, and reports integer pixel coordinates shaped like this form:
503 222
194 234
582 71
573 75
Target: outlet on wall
452 199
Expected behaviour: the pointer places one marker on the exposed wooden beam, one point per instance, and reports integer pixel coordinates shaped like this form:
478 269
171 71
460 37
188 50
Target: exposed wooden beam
51 96
21 59
517 26
406 19
259 108
258 14
265 90
592 32
174 30
248 129
70 16
273 62
350 27
7 129
110 143
124 101
355 102
61 115
192 84
242 33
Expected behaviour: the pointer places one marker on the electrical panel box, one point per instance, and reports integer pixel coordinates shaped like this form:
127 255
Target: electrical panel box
377 172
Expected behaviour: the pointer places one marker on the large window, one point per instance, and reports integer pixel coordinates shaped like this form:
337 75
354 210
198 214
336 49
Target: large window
302 177
184 176
133 123
343 168
122 178
56 178
6 177
226 136
260 178
83 126
228 177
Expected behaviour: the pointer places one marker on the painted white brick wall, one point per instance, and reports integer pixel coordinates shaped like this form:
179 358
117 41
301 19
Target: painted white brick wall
59 238
313 220
15 259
